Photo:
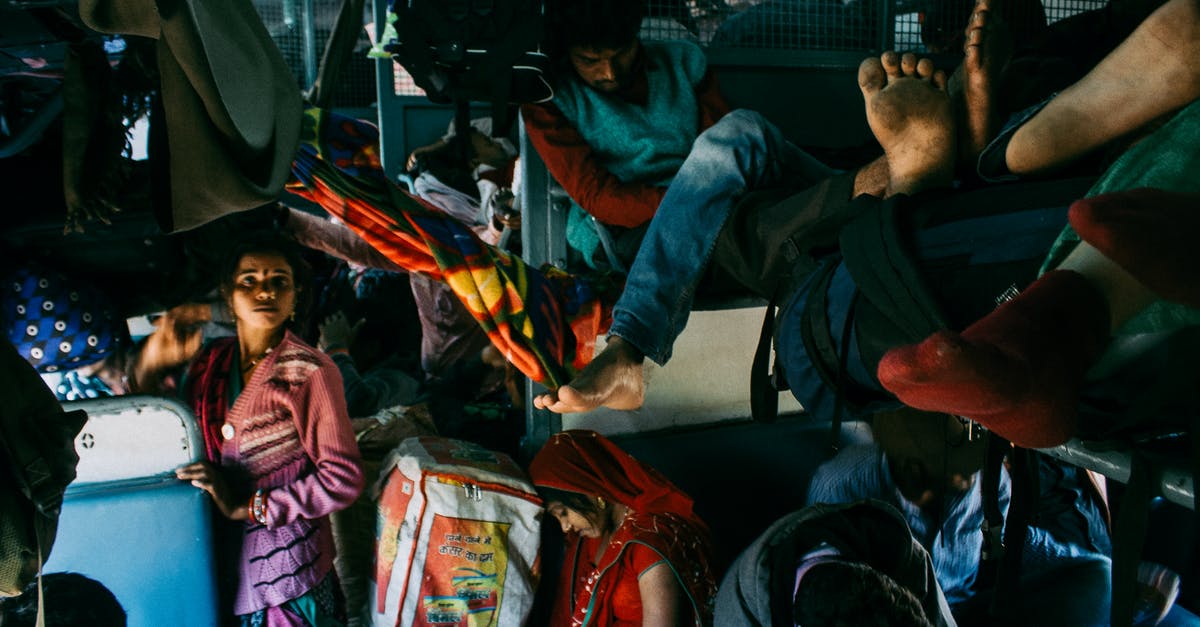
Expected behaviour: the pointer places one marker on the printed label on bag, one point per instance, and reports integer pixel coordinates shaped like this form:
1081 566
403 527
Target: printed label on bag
454 452
464 572
393 506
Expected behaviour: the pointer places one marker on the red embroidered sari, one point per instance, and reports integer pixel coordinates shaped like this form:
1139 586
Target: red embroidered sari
660 527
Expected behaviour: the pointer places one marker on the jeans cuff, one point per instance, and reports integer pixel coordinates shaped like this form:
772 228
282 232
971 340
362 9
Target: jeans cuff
993 164
640 337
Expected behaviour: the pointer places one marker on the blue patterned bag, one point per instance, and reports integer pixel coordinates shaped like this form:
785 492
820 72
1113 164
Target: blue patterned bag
55 322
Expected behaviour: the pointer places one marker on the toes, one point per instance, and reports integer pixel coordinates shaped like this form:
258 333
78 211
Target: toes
925 68
908 64
940 80
871 75
979 19
544 401
973 39
891 64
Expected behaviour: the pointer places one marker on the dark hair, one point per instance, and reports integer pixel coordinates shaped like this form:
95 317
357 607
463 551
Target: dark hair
272 242
592 23
577 501
70 600
582 503
849 594
450 164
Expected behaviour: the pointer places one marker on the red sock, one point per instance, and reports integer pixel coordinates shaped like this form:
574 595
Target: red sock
1018 370
1150 233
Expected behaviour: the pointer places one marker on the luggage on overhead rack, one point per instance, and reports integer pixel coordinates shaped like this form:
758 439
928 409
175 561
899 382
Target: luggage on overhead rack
458 535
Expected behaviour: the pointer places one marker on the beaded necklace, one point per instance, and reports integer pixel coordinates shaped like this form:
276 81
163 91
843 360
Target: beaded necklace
254 362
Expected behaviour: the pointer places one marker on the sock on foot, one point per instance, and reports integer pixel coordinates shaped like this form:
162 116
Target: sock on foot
1018 370
1151 233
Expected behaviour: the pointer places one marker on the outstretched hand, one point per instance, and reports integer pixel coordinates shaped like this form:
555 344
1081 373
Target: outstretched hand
80 212
175 340
207 477
337 332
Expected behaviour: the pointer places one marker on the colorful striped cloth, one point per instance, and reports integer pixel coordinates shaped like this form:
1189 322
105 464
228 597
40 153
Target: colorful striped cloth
544 322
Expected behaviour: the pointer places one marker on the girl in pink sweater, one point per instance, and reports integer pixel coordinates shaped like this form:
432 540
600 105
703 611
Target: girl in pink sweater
281 452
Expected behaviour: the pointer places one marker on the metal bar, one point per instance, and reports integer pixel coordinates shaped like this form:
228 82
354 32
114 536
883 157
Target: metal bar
1174 482
762 58
309 33
390 120
887 18
543 241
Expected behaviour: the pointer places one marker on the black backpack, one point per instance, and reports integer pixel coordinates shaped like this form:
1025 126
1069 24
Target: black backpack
462 51
37 461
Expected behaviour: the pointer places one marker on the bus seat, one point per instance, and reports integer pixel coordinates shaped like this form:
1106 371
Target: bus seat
128 523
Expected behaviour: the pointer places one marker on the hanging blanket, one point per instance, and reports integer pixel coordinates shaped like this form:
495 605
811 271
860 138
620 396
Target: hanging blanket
544 322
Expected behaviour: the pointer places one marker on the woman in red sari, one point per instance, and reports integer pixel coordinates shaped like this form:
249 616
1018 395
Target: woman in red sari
635 554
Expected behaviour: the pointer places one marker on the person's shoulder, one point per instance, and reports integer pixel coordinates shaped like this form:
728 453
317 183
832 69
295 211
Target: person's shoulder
852 474
297 361
678 53
680 47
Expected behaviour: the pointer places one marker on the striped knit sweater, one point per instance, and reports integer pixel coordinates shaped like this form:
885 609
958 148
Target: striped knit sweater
292 438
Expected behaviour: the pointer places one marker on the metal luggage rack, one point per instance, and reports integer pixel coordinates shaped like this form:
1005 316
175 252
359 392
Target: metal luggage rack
838 25
301 29
1173 478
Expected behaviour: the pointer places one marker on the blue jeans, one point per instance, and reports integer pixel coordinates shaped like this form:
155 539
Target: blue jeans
740 153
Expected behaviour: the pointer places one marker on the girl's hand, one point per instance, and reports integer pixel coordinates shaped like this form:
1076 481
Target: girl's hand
207 477
337 332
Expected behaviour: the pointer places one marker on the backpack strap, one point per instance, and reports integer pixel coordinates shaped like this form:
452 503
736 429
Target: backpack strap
1022 508
992 550
41 561
814 324
764 392
1129 538
877 256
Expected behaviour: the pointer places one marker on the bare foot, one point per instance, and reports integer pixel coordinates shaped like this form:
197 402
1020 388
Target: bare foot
909 112
614 379
988 47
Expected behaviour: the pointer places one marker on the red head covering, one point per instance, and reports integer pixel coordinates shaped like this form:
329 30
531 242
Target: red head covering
588 463
661 518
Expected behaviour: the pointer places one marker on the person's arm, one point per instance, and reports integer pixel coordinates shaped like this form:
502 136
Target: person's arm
712 105
376 390
176 338
335 240
573 164
323 426
662 597
853 474
365 393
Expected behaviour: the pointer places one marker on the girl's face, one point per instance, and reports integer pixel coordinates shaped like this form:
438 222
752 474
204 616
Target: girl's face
264 292
573 521
487 151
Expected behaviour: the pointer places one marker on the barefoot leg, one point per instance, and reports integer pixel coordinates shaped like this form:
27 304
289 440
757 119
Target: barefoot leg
614 379
987 50
1018 370
909 112
1153 72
